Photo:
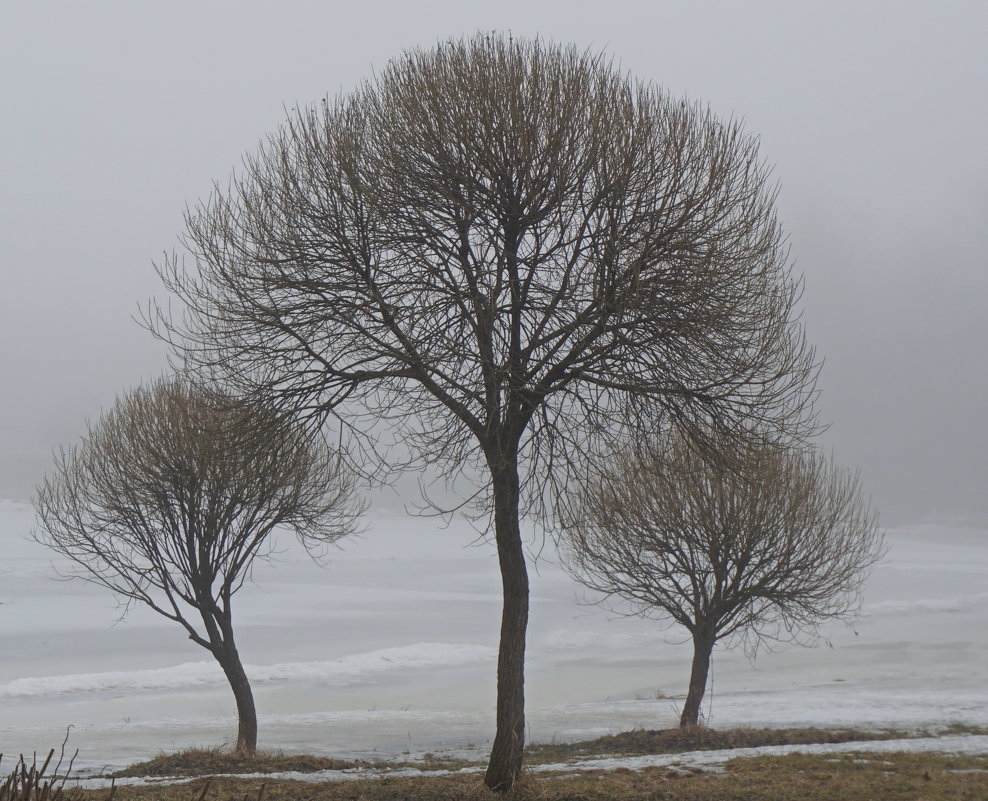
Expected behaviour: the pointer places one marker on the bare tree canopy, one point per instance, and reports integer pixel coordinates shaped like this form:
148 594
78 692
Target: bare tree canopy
172 495
505 250
767 549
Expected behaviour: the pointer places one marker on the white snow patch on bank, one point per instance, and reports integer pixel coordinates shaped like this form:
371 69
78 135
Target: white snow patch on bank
953 604
958 744
349 670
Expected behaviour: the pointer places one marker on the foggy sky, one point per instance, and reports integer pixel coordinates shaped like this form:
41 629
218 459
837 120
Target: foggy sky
117 115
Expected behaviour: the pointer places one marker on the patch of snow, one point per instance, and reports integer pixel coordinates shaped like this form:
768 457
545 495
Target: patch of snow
958 744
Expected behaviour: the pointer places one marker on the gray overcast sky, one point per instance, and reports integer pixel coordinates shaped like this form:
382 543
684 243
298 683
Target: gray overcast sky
117 114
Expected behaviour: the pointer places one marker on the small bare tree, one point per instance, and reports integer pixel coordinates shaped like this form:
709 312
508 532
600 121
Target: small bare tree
766 547
172 495
501 249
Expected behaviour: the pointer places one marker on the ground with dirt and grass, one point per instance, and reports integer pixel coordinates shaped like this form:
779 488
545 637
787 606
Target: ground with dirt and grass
694 763
807 777
212 761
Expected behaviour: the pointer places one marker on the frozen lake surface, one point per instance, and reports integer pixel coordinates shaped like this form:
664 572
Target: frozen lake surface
391 648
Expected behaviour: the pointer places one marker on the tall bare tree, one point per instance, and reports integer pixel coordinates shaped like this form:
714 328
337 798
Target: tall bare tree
765 548
500 248
172 495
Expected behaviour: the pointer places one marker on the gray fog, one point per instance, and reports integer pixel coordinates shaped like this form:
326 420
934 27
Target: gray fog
118 114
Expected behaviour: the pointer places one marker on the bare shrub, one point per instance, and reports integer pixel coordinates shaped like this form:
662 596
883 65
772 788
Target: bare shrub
172 495
765 548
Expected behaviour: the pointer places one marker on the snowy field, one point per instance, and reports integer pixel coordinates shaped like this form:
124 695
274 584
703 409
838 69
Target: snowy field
390 648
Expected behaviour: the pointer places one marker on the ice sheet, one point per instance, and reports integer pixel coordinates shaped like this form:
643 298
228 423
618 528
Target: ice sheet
391 647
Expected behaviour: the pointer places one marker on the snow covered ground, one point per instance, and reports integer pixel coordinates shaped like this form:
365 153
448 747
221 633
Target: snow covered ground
390 648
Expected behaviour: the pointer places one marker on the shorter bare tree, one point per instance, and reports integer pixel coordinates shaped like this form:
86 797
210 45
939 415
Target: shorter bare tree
173 494
765 546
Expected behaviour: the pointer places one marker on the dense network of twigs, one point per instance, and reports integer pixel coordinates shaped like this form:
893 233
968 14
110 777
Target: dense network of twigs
503 253
765 548
500 241
174 493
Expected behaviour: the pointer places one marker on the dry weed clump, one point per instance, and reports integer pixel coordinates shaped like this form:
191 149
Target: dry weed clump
215 761
695 738
29 783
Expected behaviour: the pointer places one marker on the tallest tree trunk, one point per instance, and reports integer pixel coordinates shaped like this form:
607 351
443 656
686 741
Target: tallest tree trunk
505 764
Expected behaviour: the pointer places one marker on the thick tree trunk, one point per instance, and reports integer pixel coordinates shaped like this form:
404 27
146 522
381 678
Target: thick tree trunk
229 660
505 763
703 645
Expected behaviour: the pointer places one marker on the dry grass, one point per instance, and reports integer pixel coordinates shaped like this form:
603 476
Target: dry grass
28 782
216 761
885 777
903 777
818 777
694 738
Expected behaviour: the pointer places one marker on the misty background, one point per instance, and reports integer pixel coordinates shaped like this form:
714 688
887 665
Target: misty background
117 115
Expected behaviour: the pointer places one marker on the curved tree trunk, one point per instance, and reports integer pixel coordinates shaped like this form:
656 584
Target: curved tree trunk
703 645
505 764
229 660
